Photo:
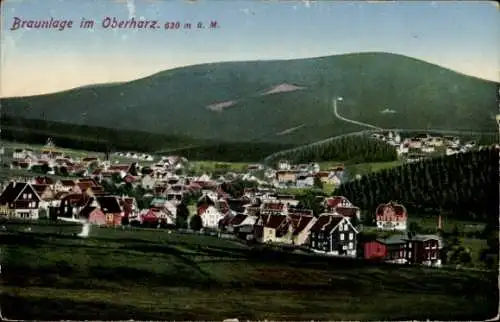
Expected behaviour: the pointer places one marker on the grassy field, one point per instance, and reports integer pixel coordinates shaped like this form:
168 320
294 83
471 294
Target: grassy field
151 274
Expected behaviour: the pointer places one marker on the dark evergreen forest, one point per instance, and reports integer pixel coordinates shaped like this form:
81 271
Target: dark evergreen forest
462 186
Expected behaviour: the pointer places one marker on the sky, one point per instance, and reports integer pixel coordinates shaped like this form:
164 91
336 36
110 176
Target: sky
463 36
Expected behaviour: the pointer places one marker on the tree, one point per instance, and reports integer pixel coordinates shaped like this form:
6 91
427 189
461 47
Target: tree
196 223
125 220
454 238
182 215
318 184
414 228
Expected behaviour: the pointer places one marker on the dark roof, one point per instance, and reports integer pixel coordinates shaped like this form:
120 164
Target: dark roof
86 211
300 222
109 204
237 204
238 219
393 240
326 223
273 221
12 191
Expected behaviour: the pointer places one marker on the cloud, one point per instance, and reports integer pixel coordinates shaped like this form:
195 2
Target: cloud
245 11
307 3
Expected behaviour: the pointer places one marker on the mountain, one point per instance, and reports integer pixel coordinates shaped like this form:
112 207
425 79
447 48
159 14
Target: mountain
286 101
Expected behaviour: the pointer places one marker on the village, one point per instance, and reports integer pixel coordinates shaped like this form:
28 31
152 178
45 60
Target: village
169 198
420 146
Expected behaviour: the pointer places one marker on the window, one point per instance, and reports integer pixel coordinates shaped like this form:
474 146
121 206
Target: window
25 196
351 236
346 227
29 195
341 228
409 254
351 245
409 246
341 236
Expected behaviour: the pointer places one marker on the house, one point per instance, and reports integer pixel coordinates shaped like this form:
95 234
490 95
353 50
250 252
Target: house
47 196
157 216
286 176
20 200
278 208
121 169
333 234
70 205
330 204
284 165
148 182
301 227
393 249
391 216
402 248
353 213
129 206
272 228
213 214
66 186
93 215
428 149
426 249
110 206
304 181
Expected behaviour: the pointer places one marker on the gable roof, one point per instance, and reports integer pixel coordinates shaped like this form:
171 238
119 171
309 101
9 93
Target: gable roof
300 222
326 223
109 204
335 201
273 221
12 192
399 209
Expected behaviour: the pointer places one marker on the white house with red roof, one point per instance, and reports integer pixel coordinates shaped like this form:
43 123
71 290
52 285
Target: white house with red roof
391 216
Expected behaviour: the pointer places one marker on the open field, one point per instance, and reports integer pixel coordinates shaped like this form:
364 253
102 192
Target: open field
150 274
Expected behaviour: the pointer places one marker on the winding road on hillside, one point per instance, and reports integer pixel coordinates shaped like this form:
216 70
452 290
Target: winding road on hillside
345 119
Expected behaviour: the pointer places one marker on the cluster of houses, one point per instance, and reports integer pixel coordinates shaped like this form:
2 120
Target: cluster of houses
420 146
304 175
260 215
142 169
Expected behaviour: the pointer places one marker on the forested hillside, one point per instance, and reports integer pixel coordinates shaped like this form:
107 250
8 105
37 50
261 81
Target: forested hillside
461 186
354 148
246 101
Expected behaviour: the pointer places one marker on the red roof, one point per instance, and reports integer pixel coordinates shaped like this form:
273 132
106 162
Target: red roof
399 210
335 201
273 221
347 211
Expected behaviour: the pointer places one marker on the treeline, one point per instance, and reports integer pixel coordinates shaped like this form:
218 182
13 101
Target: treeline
232 152
354 148
84 137
462 186
90 138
